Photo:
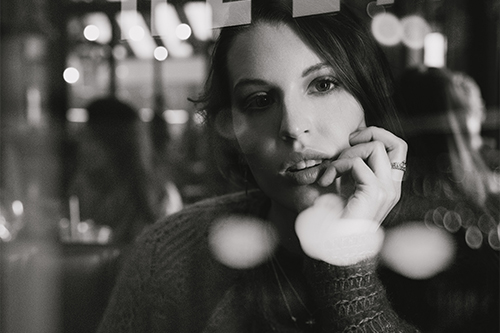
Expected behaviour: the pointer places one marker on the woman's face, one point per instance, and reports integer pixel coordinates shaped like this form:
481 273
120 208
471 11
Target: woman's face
290 114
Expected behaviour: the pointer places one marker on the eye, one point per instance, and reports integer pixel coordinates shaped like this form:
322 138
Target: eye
323 85
258 101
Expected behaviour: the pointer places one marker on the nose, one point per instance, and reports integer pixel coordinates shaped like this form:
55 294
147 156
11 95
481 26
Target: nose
295 122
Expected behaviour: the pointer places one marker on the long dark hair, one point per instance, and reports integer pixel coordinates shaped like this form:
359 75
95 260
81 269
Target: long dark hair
339 38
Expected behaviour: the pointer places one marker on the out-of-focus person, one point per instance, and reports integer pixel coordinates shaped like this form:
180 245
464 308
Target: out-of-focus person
114 175
441 264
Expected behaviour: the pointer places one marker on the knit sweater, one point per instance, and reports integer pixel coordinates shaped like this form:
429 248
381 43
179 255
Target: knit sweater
171 282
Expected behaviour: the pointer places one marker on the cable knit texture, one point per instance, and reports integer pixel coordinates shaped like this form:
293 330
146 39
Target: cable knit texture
352 299
172 283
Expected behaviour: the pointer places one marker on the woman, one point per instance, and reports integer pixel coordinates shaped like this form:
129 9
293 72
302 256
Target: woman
289 101
452 200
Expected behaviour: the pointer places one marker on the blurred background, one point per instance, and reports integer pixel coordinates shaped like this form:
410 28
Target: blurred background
58 56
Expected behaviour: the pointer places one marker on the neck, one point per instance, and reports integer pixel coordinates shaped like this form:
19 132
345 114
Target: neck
284 221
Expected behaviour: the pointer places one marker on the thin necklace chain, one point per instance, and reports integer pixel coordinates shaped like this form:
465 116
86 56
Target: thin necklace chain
311 320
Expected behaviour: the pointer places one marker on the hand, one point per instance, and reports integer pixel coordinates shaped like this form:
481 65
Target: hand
323 235
377 187
343 231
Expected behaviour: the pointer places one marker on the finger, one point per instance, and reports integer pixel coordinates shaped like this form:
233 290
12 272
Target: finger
396 148
328 176
377 197
375 155
361 173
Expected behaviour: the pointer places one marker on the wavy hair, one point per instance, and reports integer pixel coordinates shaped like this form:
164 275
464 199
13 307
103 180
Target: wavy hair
339 38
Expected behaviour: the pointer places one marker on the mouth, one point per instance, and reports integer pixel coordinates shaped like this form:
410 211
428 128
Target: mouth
303 165
306 171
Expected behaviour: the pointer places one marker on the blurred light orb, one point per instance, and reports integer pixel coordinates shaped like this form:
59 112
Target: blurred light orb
120 52
83 227
122 71
160 53
242 242
77 115
17 207
415 28
146 114
387 29
71 75
5 233
474 237
176 117
136 33
494 239
183 31
91 32
372 9
435 50
417 251
486 223
452 221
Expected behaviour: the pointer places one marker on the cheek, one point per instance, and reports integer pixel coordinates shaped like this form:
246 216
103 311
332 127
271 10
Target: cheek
255 136
339 121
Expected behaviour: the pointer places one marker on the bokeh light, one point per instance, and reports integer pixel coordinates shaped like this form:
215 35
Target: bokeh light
98 27
494 239
91 32
161 53
474 237
120 52
387 29
452 221
122 71
435 50
417 251
146 114
176 116
83 227
372 9
17 208
71 75
415 28
242 242
77 115
136 33
183 31
5 233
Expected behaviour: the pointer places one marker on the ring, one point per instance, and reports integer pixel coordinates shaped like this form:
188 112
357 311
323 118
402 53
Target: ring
399 165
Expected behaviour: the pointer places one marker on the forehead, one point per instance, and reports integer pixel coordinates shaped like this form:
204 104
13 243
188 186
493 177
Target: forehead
267 49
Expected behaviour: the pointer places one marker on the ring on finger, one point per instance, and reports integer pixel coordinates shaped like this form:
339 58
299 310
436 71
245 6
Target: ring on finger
399 166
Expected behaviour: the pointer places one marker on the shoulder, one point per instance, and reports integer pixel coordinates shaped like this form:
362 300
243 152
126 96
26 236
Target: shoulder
191 223
234 203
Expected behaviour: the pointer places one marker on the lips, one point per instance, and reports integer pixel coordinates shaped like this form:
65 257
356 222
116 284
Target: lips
306 167
304 164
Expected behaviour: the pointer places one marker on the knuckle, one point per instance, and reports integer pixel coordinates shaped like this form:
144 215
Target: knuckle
403 145
357 161
379 146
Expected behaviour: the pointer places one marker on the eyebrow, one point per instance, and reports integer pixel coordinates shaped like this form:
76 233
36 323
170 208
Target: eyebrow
306 72
243 82
314 68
